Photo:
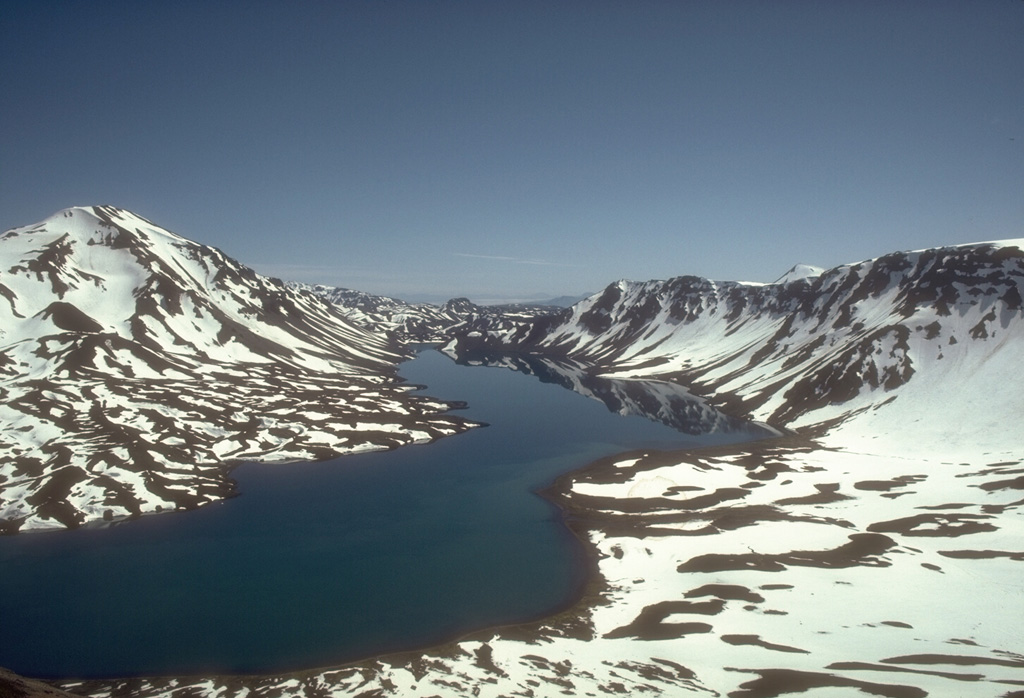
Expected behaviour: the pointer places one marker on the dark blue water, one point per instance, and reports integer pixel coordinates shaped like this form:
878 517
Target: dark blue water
321 563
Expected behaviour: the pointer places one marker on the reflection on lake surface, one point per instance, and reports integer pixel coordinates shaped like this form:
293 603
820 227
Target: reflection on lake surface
659 401
320 563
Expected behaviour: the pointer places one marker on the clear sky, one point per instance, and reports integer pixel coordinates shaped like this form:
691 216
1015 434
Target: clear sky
510 149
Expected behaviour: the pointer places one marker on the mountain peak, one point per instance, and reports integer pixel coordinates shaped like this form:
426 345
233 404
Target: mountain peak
94 225
799 272
113 329
459 305
90 213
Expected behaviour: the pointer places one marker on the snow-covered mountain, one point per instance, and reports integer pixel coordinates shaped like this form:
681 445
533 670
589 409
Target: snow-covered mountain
135 365
422 322
876 553
809 349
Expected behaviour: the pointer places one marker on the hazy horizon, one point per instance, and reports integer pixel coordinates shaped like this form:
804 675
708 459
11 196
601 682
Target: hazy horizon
518 150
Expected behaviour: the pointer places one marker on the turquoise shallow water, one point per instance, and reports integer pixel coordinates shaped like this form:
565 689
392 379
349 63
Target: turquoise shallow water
320 563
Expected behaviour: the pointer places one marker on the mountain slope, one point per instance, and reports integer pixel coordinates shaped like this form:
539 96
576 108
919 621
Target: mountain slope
135 364
801 352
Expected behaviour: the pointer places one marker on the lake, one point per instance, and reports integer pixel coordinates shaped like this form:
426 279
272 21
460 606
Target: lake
321 563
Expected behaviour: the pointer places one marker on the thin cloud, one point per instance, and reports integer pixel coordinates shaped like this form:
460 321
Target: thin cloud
486 256
514 260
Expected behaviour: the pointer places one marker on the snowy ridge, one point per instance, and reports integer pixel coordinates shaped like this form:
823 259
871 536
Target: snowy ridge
136 364
795 353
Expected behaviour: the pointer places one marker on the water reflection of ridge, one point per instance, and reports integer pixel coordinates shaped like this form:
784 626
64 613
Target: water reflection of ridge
660 401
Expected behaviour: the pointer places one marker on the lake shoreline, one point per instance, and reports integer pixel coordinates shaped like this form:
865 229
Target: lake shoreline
758 599
565 620
540 432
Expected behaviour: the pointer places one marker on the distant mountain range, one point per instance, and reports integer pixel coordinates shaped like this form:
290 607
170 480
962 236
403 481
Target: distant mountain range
421 322
136 366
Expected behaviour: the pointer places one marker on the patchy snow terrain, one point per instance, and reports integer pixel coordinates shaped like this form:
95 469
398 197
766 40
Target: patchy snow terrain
876 551
136 366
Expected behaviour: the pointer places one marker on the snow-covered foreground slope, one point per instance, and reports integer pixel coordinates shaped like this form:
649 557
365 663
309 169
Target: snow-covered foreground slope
136 365
767 571
880 553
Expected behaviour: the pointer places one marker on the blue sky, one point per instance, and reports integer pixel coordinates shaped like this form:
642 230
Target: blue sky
507 149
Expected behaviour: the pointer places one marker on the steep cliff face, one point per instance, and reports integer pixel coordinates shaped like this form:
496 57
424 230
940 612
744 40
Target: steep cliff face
812 347
136 364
